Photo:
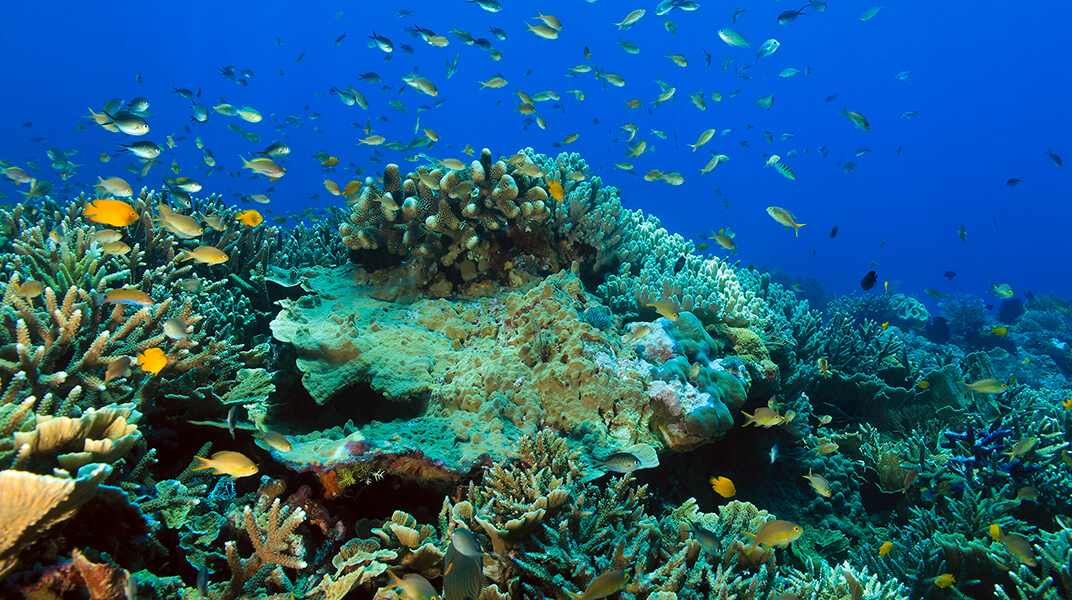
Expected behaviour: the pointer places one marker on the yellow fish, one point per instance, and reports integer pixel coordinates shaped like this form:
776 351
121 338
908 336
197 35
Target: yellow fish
152 360
1001 290
250 217
205 255
785 218
110 212
1022 447
31 289
555 190
226 462
264 166
723 487
666 308
606 584
819 484
274 440
826 448
411 586
824 367
774 533
945 580
132 296
182 226
1067 404
885 548
1000 331
763 417
983 386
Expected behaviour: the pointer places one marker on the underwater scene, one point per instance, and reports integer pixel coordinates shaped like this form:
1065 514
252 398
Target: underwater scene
500 299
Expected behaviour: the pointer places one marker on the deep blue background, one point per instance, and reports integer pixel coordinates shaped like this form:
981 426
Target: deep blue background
990 79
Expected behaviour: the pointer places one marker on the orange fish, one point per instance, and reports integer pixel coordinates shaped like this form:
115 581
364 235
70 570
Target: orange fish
885 548
249 217
723 487
110 212
152 360
556 191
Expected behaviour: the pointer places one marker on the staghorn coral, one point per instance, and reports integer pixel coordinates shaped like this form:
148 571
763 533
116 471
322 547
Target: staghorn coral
64 347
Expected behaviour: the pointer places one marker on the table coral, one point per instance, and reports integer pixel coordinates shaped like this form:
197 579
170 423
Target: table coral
488 366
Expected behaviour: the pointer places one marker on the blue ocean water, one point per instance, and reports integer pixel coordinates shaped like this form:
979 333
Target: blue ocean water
989 81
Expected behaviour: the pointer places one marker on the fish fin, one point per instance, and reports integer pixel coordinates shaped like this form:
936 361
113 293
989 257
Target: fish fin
205 463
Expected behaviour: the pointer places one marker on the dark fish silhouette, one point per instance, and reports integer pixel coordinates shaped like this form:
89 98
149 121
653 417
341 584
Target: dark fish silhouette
950 275
869 280
833 232
1012 182
1056 159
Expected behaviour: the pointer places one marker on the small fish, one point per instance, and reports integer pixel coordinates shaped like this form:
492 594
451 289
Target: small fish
117 368
869 280
152 360
776 533
785 218
857 119
110 212
630 19
733 37
826 448
275 441
606 584
824 367
773 453
885 548
1022 447
1056 159
620 462
175 329
31 289
945 580
870 12
983 386
764 417
723 486
411 586
768 48
819 484
226 462
1014 181
131 296
709 540
999 331
1002 290
232 420
205 255
250 217
666 308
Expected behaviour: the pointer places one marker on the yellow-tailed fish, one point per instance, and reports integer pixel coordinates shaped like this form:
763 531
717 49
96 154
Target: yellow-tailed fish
226 462
608 583
776 533
206 255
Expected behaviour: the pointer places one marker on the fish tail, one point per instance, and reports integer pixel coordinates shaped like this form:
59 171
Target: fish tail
754 544
205 463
